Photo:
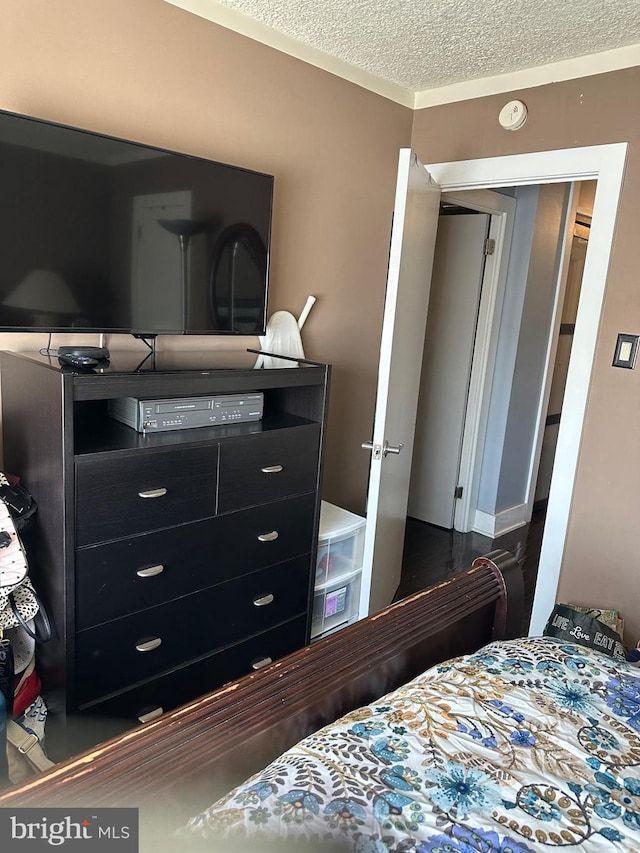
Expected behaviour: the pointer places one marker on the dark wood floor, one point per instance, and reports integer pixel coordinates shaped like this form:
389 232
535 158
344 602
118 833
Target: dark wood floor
432 554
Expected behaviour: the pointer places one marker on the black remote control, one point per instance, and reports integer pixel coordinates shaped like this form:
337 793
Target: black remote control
83 362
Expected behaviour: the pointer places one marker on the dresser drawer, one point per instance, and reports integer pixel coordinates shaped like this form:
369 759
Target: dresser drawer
146 490
169 691
268 466
145 644
122 577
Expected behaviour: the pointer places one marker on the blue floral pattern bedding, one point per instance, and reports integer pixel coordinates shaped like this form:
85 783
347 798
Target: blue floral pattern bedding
523 746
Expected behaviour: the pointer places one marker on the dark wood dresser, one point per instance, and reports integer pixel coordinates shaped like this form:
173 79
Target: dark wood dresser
170 563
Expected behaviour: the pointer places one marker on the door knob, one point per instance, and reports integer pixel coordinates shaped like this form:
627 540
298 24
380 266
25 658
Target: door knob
389 448
377 452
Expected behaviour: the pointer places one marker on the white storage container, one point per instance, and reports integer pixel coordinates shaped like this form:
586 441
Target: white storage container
335 604
338 569
340 542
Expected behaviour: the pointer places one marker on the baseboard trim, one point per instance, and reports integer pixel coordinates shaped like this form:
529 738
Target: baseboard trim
503 522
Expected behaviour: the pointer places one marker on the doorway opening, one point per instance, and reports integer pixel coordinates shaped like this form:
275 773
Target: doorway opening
438 541
386 517
577 241
468 284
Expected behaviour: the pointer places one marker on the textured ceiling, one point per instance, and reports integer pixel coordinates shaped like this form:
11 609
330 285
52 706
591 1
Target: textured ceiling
425 44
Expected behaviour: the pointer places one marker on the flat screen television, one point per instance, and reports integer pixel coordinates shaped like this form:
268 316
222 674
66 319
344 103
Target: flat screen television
104 235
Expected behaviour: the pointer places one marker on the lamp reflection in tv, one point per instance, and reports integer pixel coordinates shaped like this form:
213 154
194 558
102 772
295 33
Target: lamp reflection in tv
184 229
45 295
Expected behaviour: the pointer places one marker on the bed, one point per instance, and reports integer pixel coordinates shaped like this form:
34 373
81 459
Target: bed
519 746
525 745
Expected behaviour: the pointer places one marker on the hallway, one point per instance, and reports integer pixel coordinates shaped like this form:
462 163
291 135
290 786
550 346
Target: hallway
433 554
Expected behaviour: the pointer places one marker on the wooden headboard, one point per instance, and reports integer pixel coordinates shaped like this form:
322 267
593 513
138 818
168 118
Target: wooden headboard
183 761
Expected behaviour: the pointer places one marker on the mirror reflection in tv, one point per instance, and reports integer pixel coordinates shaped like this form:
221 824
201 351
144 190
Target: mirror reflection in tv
101 234
238 270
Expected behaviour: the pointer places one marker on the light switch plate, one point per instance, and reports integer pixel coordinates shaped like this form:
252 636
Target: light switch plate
626 351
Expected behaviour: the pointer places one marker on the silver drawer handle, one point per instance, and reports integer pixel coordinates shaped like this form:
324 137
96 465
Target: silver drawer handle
268 537
264 599
152 493
272 469
151 715
258 664
149 645
150 571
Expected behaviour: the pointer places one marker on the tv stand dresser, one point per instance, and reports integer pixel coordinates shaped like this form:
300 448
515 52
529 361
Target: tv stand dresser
169 563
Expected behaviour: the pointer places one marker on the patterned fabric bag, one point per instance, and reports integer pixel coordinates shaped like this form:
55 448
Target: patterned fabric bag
19 602
21 607
23 621
13 560
575 626
18 501
25 743
21 738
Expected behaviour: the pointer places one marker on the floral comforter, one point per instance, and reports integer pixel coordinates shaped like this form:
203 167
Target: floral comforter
523 746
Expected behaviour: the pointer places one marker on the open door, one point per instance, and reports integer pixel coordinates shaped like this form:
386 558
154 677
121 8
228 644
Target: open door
458 271
413 237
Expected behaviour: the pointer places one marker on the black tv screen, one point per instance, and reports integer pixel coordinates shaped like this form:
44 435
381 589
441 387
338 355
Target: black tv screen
103 235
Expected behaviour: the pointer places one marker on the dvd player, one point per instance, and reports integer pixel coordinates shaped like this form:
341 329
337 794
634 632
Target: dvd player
186 412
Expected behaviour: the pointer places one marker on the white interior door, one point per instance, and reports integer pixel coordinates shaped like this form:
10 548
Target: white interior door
156 263
458 269
413 235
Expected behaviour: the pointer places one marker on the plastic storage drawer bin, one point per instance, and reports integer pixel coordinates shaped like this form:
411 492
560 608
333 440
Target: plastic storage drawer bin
335 604
340 543
338 569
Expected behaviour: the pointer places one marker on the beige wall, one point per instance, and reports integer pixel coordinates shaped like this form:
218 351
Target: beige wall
600 563
145 70
148 71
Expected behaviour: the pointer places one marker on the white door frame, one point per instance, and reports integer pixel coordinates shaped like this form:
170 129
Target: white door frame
502 210
604 163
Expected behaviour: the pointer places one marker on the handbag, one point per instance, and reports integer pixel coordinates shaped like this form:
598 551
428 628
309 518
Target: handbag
20 605
37 627
18 501
14 582
23 622
13 560
23 755
25 736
